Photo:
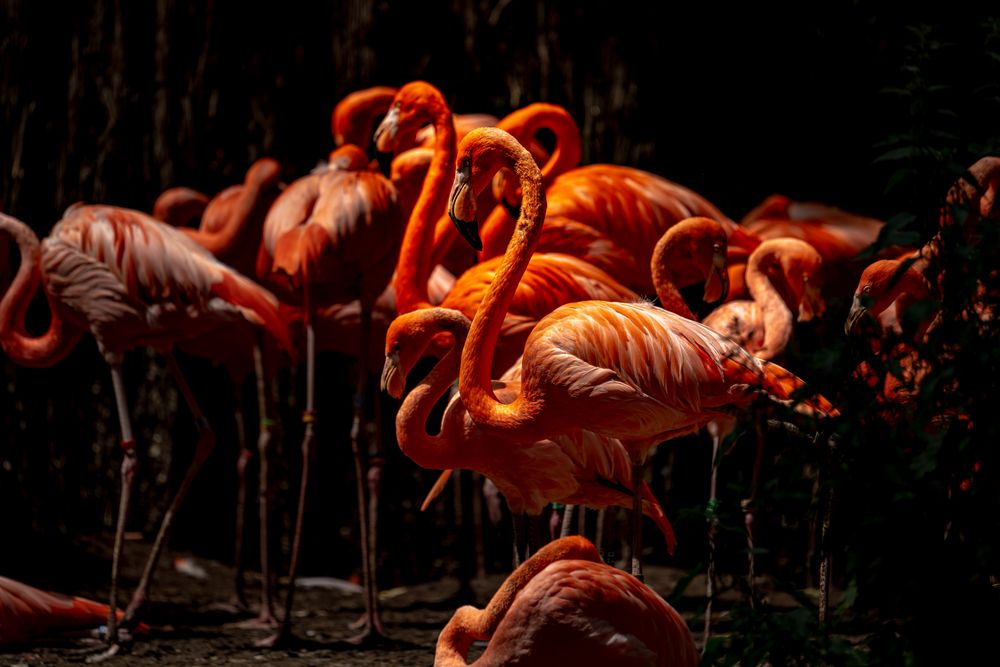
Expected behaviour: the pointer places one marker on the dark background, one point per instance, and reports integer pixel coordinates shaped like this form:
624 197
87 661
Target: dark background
113 102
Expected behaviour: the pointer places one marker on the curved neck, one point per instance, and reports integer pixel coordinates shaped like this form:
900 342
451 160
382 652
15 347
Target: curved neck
54 344
243 218
353 119
664 279
414 267
568 150
477 359
777 315
429 451
470 624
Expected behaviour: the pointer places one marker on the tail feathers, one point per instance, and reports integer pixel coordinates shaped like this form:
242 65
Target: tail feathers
257 304
651 508
436 490
783 384
27 613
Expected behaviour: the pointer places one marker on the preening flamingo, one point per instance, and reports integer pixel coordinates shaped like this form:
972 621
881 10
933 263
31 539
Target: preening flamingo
629 371
332 237
575 468
781 273
131 281
565 606
27 613
231 227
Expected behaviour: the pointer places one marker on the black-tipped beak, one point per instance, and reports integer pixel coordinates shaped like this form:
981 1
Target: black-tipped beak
393 382
717 285
463 203
858 310
385 134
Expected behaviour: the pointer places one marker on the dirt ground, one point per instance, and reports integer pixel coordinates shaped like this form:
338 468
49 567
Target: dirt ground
188 628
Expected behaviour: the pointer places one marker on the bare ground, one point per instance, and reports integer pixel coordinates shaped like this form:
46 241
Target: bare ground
188 628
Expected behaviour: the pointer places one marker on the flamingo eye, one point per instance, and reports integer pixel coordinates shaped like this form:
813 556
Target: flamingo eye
395 346
867 289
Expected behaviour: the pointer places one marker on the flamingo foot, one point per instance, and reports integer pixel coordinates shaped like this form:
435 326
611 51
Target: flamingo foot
283 638
371 636
263 621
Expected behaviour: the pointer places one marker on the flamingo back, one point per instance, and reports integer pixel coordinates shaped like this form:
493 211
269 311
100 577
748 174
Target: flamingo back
135 281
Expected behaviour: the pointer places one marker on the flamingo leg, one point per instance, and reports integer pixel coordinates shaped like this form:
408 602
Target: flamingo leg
637 521
206 443
284 633
367 511
567 521
749 510
713 525
240 601
266 616
477 524
128 475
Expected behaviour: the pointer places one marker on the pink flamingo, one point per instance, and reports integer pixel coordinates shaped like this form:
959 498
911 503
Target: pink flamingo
131 281
564 605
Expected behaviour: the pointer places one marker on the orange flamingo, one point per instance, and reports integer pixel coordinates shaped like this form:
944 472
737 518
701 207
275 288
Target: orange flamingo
692 251
890 287
353 119
629 371
780 273
131 281
550 280
27 613
231 226
575 468
332 237
563 605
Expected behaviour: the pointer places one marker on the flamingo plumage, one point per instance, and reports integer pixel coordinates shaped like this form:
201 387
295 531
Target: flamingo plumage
564 605
781 274
580 468
625 370
131 281
332 237
28 613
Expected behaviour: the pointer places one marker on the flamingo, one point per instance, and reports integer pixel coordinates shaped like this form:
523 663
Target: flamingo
890 287
27 613
131 281
332 237
550 279
353 119
764 325
575 468
231 227
563 605
625 370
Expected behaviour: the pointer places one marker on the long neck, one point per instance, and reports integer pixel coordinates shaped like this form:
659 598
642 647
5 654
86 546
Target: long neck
242 221
470 624
568 150
664 258
777 315
477 358
23 349
414 266
428 451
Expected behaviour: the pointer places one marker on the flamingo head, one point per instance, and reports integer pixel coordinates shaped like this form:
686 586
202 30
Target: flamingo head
801 267
881 283
412 336
415 105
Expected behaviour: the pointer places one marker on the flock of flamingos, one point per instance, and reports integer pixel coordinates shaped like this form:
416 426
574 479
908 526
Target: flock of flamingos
553 298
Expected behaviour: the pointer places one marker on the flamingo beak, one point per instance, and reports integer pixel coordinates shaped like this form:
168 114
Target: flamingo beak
717 285
385 135
812 304
393 382
858 310
462 208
